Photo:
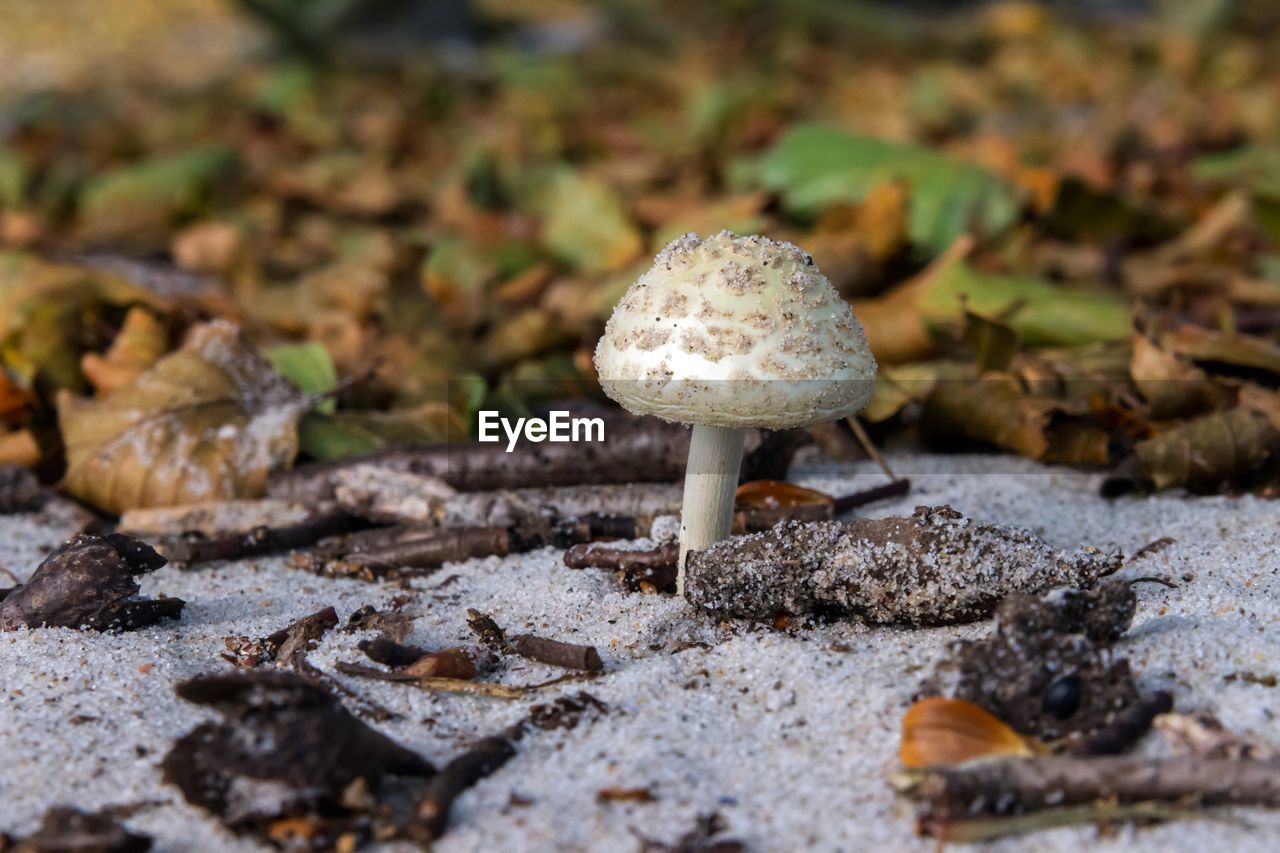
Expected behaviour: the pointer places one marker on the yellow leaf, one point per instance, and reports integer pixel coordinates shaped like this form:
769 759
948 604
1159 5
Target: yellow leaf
208 422
141 342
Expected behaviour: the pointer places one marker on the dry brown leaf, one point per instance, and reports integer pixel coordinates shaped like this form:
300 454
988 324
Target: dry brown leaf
896 331
208 247
1210 453
208 422
1262 400
1171 385
141 342
1225 352
19 448
995 409
13 400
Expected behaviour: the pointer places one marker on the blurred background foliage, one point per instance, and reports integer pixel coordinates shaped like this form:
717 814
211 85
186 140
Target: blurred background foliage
418 208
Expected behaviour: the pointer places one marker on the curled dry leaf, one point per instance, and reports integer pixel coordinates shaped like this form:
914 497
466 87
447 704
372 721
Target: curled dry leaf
938 730
1230 448
208 422
140 344
1171 385
993 410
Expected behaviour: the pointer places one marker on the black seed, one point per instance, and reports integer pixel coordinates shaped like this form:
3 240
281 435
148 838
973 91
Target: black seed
1062 696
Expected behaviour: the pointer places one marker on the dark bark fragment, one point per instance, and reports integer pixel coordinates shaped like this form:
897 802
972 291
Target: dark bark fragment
487 755
290 644
19 490
1126 729
90 582
488 631
69 830
700 839
396 551
283 743
634 450
390 653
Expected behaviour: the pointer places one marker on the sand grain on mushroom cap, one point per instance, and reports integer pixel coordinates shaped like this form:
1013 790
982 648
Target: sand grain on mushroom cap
746 311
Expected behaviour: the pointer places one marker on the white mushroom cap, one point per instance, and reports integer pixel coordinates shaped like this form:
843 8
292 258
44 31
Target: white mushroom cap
735 332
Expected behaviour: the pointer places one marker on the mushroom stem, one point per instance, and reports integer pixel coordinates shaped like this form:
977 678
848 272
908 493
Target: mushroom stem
710 483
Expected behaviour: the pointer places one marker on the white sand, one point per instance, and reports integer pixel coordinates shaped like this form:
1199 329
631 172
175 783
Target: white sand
790 741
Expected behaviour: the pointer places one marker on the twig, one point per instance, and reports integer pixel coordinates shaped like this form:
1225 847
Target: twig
453 685
1126 729
557 653
1017 785
895 489
431 812
261 540
870 446
977 830
382 552
390 653
653 566
635 450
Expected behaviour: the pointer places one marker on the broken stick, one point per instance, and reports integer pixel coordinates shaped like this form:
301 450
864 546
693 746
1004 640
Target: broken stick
1026 784
557 653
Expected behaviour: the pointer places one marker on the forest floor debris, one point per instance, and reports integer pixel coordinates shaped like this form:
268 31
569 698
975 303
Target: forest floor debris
695 708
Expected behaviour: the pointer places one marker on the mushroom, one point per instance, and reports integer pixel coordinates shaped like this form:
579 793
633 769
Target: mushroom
729 333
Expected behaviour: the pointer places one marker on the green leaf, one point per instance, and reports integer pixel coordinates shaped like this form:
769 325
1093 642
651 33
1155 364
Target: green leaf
586 226
309 367
1256 169
815 166
352 433
13 178
1040 312
139 202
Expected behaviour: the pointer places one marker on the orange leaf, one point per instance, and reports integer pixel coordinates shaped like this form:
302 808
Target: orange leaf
776 493
19 448
938 730
13 400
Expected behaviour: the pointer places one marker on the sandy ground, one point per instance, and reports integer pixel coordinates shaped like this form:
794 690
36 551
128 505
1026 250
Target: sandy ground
789 740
